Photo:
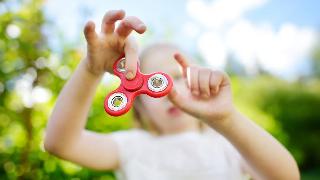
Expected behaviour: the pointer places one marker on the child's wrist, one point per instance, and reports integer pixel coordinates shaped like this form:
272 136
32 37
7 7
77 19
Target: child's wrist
84 64
226 122
90 69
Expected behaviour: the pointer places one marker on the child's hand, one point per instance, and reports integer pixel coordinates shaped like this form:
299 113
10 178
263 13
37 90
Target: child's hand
209 93
105 48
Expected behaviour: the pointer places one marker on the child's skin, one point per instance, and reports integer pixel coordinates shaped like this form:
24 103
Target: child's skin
203 94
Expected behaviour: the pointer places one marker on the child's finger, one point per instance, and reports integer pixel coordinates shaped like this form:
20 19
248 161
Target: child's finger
182 62
89 32
131 51
109 19
180 100
177 99
128 24
193 80
216 79
204 82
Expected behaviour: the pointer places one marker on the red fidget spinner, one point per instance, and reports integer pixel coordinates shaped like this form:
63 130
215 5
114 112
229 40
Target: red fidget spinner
120 100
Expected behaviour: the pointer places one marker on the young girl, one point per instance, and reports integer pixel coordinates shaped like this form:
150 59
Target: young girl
176 145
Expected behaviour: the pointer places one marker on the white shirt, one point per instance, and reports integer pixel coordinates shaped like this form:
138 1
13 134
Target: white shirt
184 156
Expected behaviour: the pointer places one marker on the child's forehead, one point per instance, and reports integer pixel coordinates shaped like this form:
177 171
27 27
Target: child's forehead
159 59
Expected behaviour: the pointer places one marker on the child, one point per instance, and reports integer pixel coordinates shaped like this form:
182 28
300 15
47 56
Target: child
176 145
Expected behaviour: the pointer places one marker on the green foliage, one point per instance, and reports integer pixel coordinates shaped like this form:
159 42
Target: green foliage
296 106
31 76
316 62
290 111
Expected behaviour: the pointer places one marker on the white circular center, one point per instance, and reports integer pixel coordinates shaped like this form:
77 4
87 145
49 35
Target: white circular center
157 83
117 101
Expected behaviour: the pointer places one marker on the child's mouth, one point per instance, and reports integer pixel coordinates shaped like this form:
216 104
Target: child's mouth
173 111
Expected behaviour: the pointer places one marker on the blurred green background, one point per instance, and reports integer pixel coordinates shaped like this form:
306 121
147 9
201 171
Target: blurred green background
32 74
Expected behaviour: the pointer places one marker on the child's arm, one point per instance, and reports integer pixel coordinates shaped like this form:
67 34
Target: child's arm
211 101
66 136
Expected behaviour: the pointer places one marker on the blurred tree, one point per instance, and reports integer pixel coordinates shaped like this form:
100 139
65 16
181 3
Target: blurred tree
234 67
290 111
315 63
23 75
31 76
296 106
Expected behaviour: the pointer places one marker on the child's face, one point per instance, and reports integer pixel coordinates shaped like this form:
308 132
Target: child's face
167 117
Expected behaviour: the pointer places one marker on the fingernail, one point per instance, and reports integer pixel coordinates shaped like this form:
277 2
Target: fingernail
196 93
129 75
141 26
206 96
215 90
